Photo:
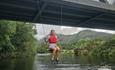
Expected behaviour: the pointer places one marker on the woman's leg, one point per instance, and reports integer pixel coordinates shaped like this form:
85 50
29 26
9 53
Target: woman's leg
54 54
57 52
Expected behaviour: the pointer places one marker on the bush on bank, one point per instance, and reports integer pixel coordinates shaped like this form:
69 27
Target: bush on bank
16 37
98 48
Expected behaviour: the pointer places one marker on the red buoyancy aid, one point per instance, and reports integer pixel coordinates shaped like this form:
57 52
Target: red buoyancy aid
52 39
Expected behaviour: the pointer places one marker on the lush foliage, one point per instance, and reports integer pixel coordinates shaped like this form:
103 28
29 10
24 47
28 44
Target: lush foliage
98 48
16 37
42 48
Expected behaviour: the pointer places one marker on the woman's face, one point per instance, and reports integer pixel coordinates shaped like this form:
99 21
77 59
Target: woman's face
53 32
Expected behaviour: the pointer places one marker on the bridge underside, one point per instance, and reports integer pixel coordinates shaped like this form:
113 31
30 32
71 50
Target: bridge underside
77 13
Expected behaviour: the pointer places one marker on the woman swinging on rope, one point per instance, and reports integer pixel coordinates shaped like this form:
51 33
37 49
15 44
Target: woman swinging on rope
52 39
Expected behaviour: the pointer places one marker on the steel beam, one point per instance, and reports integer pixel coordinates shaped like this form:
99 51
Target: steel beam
90 19
58 19
15 6
39 12
85 4
68 14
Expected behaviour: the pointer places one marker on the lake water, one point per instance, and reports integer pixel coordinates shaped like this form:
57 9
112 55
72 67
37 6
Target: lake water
43 62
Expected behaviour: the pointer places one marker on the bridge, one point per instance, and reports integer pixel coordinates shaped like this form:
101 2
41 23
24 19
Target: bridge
78 13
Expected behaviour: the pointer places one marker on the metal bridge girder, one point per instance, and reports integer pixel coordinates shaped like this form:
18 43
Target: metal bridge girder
37 17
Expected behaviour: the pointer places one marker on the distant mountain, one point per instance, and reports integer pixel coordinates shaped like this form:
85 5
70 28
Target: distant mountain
85 34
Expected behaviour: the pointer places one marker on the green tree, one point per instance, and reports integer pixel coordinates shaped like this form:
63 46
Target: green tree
17 36
23 39
7 29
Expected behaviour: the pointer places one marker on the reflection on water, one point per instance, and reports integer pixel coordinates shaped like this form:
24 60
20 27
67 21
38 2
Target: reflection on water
42 62
16 64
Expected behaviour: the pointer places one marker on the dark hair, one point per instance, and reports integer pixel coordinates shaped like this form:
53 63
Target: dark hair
52 30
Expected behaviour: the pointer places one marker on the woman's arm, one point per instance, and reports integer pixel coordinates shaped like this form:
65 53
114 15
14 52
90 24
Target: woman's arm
47 38
57 38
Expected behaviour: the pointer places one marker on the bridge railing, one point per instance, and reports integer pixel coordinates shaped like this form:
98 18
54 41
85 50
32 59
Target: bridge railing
104 1
111 2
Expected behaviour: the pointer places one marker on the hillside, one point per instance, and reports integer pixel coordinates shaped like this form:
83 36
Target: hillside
85 34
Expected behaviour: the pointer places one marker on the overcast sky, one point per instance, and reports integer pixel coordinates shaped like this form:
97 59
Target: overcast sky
43 30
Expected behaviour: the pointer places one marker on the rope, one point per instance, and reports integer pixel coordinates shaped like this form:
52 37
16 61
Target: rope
43 29
61 14
61 20
40 19
40 16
